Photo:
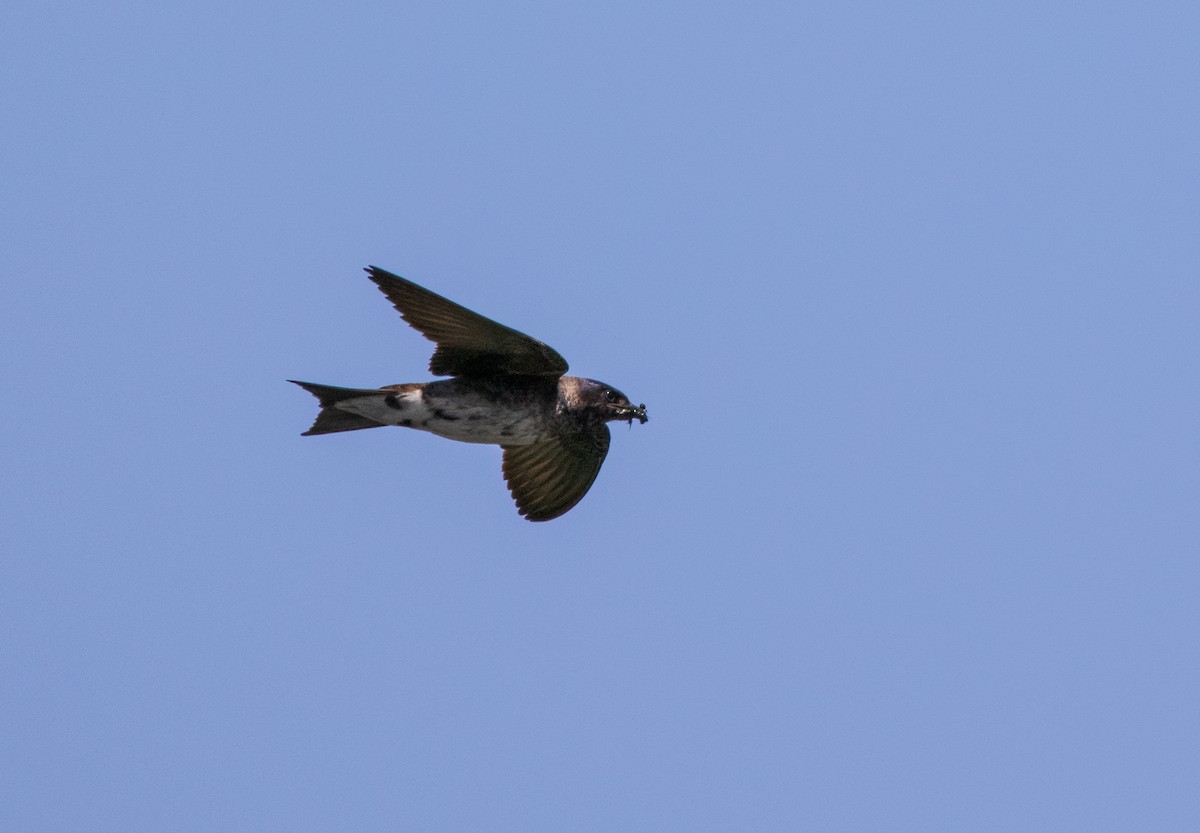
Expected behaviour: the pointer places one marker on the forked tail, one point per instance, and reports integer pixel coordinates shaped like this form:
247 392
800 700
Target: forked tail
332 419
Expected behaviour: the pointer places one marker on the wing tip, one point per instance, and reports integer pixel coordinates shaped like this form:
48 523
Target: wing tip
379 275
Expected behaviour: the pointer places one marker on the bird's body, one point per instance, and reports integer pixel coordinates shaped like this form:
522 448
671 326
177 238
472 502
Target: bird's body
512 410
505 389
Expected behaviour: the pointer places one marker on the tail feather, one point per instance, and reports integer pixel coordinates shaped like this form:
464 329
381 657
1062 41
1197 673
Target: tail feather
332 419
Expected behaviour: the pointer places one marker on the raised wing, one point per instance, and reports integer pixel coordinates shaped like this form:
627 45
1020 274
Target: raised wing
467 343
549 477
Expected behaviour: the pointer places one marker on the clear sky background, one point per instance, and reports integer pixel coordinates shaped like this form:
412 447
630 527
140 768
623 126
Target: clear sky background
910 542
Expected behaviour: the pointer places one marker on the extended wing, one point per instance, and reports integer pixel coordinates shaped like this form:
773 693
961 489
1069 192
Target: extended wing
467 343
550 476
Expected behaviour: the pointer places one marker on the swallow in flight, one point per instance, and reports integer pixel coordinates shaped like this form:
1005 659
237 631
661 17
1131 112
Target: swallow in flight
505 389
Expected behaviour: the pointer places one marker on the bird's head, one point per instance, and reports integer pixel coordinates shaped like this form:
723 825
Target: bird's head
609 403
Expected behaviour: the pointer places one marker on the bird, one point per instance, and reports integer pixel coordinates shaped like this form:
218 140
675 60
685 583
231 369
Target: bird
504 388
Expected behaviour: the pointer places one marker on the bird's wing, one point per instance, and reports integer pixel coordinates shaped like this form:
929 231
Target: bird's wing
550 476
467 343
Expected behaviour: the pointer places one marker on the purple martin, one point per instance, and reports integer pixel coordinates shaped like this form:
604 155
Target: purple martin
505 389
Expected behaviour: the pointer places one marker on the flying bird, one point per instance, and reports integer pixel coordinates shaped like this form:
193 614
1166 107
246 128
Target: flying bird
505 389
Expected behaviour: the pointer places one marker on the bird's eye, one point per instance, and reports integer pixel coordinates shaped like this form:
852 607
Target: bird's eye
612 396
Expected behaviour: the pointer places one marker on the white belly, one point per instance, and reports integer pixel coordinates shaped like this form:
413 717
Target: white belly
465 419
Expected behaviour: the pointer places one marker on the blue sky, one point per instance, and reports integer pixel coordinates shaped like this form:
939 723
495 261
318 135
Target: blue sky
909 543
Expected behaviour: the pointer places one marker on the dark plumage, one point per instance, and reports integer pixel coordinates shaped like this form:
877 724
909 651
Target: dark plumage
505 388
